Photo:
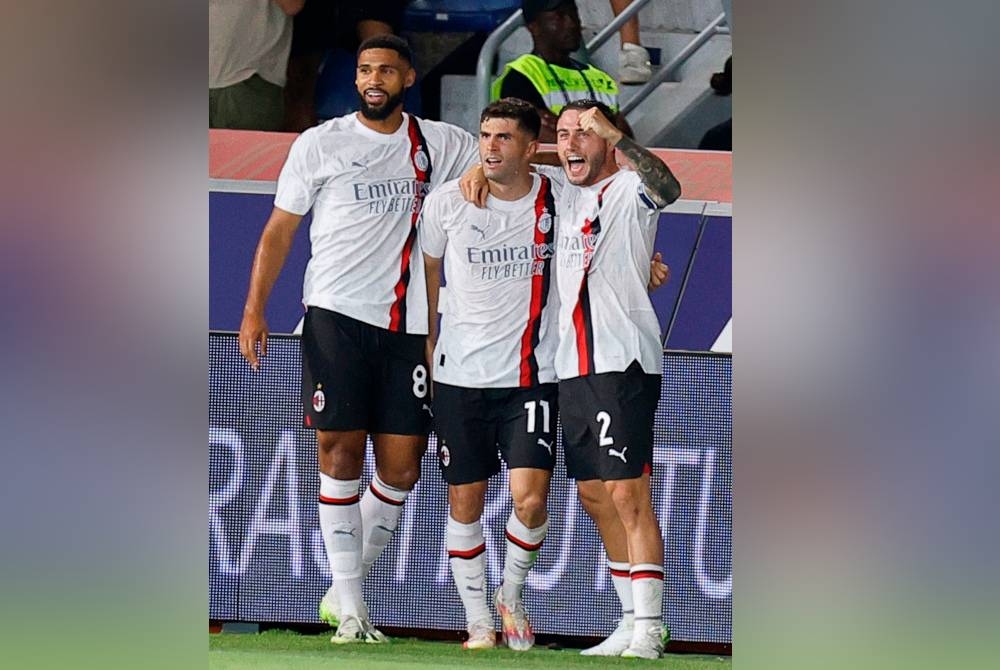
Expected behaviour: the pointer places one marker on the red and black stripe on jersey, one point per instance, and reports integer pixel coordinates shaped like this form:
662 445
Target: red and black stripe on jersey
397 313
544 206
583 325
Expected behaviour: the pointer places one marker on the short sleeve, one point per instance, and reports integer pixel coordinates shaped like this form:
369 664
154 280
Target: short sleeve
299 180
645 200
467 152
553 172
430 231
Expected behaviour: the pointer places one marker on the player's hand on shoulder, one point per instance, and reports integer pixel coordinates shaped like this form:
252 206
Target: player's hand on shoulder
253 330
474 186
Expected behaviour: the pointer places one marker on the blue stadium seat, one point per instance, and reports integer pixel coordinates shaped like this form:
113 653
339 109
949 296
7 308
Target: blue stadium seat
335 91
457 15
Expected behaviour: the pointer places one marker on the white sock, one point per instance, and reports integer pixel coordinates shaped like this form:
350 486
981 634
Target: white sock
466 549
523 544
340 524
381 506
647 592
622 581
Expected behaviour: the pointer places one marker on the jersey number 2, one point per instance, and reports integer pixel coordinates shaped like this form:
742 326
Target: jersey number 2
604 419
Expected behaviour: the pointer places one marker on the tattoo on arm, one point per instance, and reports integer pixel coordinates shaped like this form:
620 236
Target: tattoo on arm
660 182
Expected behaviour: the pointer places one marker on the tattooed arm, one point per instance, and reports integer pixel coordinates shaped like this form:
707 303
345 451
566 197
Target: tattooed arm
659 181
661 184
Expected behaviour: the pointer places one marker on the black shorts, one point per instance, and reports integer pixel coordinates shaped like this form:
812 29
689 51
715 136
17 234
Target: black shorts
473 424
607 423
358 376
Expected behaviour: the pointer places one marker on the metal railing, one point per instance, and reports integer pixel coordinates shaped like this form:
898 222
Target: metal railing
667 70
491 47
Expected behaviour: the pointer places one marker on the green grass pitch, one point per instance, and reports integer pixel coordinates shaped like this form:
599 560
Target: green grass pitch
285 650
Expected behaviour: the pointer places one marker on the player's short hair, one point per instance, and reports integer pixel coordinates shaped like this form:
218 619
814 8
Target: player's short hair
586 104
514 108
388 41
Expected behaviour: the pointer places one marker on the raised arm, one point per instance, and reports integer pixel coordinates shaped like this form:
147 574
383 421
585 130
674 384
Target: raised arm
660 183
272 250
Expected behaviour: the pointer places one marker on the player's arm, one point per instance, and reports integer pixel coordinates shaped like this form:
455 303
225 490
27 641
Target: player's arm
660 183
432 273
272 250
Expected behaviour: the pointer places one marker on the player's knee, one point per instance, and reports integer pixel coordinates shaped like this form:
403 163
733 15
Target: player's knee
465 504
338 457
530 509
626 504
403 478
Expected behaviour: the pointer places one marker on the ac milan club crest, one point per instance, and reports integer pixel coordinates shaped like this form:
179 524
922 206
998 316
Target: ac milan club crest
545 223
319 400
420 159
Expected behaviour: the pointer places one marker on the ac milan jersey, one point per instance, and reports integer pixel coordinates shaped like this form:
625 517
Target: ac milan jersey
366 189
604 246
498 327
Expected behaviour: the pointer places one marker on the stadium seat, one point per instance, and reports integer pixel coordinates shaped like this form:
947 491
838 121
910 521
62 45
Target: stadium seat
457 15
335 91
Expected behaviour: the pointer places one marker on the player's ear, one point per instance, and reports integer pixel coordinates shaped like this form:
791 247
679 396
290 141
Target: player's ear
532 147
411 77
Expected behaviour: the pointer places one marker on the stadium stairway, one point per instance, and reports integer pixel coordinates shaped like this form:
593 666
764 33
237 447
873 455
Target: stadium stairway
675 115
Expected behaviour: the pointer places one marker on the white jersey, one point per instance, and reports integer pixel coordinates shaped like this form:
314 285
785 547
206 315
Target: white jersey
499 322
366 189
604 246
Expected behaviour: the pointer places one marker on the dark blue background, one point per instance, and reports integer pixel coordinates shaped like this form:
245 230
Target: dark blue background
693 430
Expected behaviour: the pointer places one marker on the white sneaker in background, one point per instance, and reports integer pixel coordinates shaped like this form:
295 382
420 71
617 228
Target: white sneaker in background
633 64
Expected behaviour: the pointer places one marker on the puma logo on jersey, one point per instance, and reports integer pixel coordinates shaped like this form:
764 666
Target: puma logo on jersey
618 454
548 445
359 165
427 408
479 230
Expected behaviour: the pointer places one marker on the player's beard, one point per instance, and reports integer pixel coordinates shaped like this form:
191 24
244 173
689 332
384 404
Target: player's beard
382 112
594 166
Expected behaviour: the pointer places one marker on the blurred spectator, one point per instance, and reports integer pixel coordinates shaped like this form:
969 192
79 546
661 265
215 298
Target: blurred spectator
548 77
324 25
248 46
720 137
633 59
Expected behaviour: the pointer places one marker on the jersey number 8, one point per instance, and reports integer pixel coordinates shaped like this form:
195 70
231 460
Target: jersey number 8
420 381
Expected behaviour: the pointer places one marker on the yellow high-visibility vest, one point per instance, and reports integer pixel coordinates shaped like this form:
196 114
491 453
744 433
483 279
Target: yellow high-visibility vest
560 85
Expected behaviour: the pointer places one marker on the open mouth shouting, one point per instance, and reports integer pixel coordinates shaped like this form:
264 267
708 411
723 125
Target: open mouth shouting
576 166
375 96
492 162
